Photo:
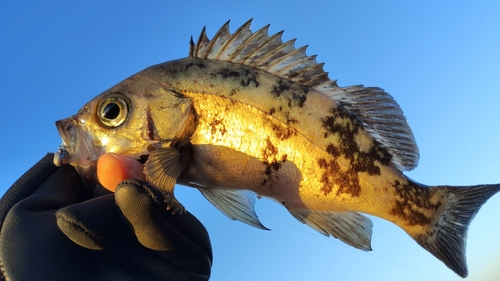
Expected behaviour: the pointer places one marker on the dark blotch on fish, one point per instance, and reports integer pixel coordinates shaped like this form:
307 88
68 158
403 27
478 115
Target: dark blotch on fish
270 152
272 164
198 64
413 195
225 72
217 126
282 132
249 77
281 87
340 123
297 95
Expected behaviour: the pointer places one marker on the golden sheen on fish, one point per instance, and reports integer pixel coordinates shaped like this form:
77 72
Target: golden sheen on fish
247 112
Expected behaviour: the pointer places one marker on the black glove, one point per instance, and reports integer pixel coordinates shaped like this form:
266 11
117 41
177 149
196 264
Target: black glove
52 228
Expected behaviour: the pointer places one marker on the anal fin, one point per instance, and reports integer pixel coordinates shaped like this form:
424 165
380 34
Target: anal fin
236 204
350 227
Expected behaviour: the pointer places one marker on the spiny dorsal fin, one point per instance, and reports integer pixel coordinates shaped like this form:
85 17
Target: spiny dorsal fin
262 51
375 109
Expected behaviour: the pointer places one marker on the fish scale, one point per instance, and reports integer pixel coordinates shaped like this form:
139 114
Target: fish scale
245 112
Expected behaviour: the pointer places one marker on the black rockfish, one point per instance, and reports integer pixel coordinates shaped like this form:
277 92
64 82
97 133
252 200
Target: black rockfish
245 111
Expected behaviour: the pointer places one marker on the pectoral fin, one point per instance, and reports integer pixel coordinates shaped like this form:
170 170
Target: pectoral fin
350 227
162 169
236 204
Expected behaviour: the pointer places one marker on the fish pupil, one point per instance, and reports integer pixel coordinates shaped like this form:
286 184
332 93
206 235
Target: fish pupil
111 111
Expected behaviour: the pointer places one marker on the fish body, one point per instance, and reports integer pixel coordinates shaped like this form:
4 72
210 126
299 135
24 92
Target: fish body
294 145
247 112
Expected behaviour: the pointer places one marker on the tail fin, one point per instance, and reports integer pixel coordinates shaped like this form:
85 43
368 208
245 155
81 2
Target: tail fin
446 240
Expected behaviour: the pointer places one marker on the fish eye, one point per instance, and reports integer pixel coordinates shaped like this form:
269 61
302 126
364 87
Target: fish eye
113 110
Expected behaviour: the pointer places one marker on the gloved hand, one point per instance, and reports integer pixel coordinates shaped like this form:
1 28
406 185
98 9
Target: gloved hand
52 228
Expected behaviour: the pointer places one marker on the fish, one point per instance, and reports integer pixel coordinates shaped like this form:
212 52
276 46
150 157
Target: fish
247 114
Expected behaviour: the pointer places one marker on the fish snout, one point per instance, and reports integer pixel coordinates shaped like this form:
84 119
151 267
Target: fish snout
67 131
64 127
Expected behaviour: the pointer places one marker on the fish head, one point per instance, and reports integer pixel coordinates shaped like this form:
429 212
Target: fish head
128 119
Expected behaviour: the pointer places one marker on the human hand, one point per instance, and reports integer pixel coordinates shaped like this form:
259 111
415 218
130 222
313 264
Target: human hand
52 228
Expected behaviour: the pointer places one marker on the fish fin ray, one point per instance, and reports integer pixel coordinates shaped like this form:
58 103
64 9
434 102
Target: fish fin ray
233 42
246 49
262 51
268 43
447 239
162 169
351 228
376 110
197 50
235 204
273 56
381 117
218 42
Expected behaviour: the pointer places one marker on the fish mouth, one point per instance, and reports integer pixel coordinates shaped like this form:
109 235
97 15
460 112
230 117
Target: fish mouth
77 149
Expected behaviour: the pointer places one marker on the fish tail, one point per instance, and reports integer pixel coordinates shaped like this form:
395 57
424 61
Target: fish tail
446 238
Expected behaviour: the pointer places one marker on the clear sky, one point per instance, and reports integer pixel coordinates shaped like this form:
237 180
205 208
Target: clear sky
441 62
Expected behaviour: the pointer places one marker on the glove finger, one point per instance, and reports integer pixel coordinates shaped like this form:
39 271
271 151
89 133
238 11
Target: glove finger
141 206
81 224
95 224
158 229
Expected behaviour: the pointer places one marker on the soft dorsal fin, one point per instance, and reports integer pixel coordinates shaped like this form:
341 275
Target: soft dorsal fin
375 109
381 116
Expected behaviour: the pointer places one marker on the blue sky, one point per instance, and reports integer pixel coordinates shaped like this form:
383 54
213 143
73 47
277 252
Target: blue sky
441 62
